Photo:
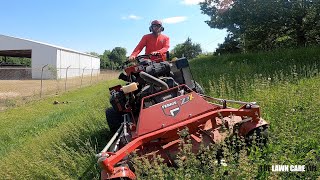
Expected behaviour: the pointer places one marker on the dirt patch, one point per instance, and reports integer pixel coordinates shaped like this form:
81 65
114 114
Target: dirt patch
13 92
8 95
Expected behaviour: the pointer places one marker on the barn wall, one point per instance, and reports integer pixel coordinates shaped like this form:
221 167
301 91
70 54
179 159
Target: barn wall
77 63
56 58
41 55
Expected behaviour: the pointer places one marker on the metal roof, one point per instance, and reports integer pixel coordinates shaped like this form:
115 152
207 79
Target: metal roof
21 53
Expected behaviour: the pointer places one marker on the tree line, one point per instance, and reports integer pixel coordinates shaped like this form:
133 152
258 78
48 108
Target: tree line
15 61
255 25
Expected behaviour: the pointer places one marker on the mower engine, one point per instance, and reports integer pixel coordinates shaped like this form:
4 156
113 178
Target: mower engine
147 78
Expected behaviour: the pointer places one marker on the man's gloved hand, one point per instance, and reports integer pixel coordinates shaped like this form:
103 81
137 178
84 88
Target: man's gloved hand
155 53
132 58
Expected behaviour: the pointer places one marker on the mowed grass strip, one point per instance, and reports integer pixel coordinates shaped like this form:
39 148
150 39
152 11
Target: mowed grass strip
43 140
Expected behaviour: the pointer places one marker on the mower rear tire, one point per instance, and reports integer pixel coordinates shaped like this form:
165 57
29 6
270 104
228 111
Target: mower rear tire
114 119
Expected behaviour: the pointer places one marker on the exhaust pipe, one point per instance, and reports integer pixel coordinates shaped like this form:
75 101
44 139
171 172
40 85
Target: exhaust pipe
153 80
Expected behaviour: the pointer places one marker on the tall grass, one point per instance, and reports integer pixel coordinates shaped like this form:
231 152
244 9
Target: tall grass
236 76
294 117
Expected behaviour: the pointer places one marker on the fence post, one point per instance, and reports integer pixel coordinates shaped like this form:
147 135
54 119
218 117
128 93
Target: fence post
91 76
41 79
97 75
82 76
65 84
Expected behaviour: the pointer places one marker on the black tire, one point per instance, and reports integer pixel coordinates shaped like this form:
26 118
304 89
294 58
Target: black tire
197 87
257 137
114 119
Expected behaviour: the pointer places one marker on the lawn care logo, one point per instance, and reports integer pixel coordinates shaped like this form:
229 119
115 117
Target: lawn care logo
288 168
173 108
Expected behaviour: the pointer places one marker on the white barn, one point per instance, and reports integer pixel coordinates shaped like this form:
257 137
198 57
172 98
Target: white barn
59 59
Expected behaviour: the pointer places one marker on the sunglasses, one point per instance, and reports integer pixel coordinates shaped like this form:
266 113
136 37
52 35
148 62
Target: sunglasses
156 25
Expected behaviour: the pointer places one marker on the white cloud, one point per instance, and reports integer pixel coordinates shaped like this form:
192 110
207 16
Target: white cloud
192 2
133 17
174 20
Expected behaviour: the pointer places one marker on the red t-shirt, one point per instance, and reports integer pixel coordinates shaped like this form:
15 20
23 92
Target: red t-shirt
152 43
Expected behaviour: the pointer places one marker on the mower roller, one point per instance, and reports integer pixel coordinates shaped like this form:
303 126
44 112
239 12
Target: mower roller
160 99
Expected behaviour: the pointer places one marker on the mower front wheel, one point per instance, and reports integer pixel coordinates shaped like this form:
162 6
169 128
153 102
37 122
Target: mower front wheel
114 119
257 137
197 87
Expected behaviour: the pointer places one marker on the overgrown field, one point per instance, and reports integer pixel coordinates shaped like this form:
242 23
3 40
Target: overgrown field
43 140
286 85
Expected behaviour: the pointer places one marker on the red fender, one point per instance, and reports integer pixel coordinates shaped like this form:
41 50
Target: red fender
119 172
246 127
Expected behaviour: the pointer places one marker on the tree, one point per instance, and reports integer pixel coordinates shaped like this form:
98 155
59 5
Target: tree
118 55
262 24
231 44
104 59
187 49
93 54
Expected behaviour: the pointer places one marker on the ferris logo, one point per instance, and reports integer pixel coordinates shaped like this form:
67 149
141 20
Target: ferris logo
173 108
169 104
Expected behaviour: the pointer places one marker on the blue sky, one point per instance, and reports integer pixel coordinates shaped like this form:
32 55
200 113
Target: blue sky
98 25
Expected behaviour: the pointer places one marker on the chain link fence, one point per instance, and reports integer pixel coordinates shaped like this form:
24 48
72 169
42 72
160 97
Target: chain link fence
18 84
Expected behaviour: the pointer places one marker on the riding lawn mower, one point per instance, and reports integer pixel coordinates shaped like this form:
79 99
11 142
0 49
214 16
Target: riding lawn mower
160 99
